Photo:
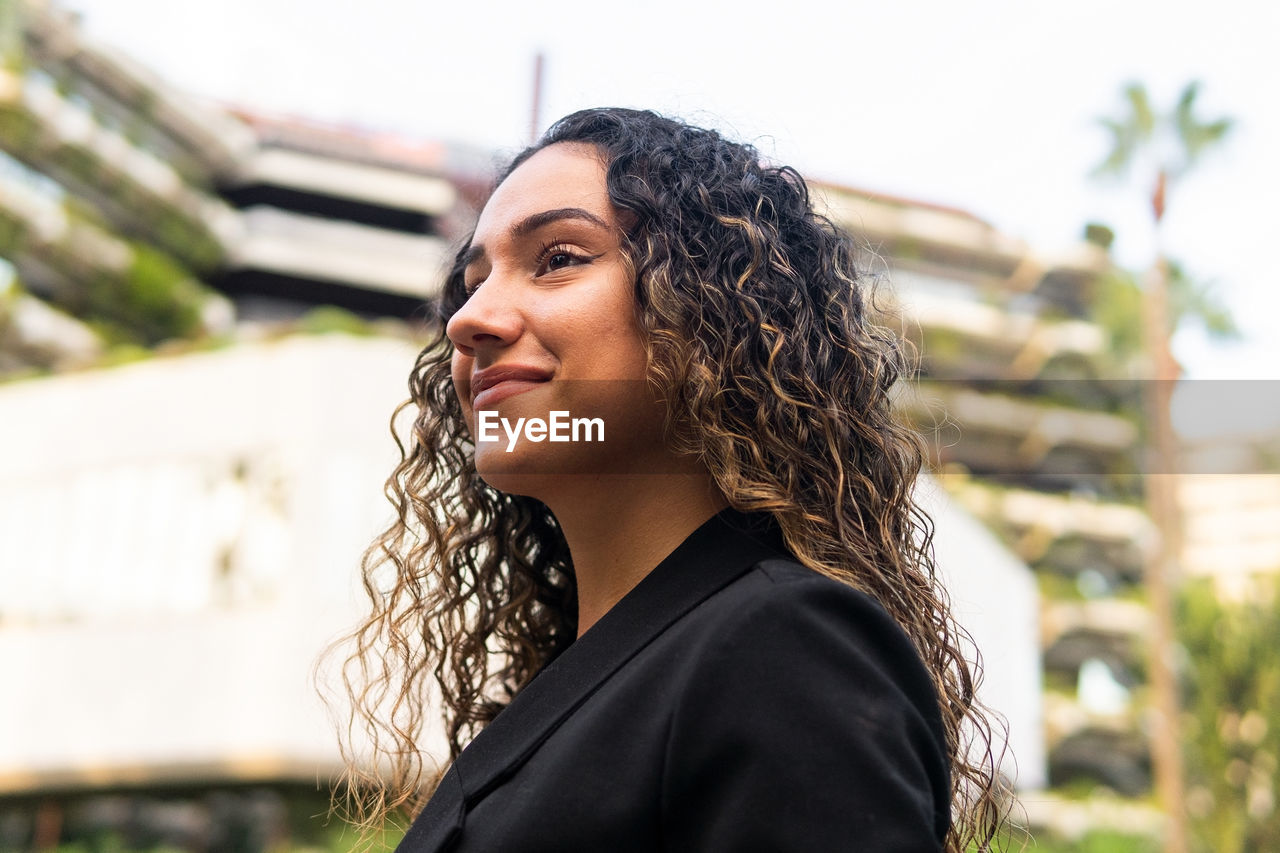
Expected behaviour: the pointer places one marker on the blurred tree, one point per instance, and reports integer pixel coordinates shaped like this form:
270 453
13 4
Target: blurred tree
154 300
1097 841
1117 307
1165 147
1232 725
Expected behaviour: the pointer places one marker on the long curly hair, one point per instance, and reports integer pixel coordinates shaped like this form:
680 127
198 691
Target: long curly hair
763 338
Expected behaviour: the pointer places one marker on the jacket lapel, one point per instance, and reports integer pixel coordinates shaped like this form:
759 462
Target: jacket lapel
439 824
714 555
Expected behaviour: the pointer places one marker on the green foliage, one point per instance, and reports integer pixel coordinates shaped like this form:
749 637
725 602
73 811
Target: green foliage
12 234
1095 842
257 819
1117 308
109 843
10 36
1099 235
325 319
1199 301
1134 133
331 837
156 300
188 238
1129 133
123 353
180 234
1058 587
19 131
1232 721
1103 841
1196 136
82 165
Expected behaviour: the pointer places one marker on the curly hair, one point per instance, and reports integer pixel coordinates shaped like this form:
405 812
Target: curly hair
760 333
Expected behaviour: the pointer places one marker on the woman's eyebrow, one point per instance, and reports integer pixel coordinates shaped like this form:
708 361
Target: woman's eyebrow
532 223
546 217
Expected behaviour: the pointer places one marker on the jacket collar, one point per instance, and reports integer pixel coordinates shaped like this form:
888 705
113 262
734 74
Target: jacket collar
723 549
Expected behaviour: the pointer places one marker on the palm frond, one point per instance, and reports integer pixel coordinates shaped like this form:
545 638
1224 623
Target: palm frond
1205 136
1200 302
1196 136
1141 116
1184 114
1120 155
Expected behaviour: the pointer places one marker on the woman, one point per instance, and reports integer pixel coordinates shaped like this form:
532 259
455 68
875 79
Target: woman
710 624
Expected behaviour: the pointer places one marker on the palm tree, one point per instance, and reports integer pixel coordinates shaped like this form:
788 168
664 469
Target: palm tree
1169 145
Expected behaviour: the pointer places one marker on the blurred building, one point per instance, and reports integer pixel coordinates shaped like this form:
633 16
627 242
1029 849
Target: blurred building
108 211
338 217
1032 425
152 216
179 537
1229 488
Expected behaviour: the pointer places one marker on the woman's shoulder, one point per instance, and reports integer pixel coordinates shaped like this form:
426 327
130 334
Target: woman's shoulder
789 674
783 590
783 618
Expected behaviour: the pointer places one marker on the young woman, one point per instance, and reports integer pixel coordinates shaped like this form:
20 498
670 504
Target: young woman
656 555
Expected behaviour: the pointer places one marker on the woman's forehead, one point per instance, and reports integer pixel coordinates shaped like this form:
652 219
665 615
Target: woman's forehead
564 175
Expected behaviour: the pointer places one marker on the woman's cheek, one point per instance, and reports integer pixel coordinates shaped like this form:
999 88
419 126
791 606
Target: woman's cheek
460 372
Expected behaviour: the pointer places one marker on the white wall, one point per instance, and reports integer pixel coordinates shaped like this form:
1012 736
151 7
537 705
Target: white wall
995 597
178 540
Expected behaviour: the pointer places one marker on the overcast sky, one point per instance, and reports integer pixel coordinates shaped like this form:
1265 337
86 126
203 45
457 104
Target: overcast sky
987 105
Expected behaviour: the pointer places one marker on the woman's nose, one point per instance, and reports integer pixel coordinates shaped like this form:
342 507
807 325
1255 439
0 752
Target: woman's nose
487 318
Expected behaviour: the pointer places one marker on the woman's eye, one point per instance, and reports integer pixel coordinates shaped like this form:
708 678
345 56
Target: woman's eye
554 258
557 260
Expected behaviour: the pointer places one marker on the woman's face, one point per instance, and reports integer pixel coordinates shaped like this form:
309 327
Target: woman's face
550 326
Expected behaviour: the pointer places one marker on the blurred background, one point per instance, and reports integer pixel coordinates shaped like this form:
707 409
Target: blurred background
220 228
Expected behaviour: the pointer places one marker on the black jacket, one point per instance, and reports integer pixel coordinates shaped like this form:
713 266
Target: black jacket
733 700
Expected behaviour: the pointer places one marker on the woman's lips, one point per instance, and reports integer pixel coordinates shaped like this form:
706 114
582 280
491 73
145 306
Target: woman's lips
495 393
500 381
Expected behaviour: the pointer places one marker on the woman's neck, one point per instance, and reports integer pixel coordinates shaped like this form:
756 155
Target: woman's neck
620 528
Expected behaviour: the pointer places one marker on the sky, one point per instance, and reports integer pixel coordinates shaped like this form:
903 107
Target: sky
988 105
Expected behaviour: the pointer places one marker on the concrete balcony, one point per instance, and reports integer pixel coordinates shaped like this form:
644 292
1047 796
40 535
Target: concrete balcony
1066 717
1065 534
934 230
1023 440
1055 515
211 140
53 252
925 237
34 335
1025 341
372 185
1105 617
308 249
131 188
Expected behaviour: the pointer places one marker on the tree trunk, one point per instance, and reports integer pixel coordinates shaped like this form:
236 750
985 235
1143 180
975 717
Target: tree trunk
1162 565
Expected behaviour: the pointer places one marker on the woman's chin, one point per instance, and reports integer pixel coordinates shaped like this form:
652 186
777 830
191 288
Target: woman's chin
553 474
524 471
